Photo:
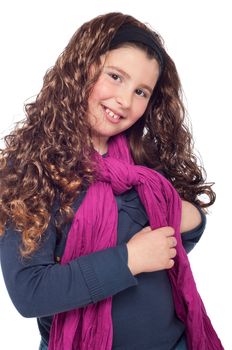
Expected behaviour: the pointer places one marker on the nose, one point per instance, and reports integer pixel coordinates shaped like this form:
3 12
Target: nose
124 98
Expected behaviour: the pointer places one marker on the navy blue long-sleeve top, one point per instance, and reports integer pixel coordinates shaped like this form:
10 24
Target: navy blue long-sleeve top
143 313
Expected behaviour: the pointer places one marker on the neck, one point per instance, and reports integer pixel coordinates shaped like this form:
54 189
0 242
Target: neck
100 145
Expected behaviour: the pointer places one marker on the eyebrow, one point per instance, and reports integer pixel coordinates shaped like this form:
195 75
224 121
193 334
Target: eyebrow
129 77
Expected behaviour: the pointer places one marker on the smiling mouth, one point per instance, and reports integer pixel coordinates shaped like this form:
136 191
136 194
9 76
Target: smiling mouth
111 114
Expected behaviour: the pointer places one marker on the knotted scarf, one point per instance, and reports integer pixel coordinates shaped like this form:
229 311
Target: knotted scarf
94 228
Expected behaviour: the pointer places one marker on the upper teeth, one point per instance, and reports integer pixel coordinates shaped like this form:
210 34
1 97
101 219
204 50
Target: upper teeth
115 116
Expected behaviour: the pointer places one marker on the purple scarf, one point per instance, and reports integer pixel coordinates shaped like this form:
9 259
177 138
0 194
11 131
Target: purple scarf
90 327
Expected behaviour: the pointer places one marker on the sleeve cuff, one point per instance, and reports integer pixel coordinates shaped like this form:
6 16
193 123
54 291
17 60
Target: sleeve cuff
106 272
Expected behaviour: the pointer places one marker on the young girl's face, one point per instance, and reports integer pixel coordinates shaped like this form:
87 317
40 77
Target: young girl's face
121 94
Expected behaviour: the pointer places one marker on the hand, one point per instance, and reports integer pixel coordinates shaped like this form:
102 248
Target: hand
151 250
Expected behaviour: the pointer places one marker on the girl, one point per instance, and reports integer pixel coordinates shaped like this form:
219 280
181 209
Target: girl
90 220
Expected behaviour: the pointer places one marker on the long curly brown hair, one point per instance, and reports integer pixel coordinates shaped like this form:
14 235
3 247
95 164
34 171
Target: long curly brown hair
48 157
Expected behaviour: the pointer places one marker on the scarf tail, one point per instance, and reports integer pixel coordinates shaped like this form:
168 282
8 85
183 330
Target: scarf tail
199 330
190 308
188 303
88 328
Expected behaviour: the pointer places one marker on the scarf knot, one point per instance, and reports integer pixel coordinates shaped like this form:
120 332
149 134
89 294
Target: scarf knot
119 174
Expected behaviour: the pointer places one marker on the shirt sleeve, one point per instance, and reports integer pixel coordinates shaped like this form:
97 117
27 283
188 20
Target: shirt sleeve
39 286
190 238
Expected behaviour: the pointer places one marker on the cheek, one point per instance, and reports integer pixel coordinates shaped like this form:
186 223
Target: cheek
139 110
101 90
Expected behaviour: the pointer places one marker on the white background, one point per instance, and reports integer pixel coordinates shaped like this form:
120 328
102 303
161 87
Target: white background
198 37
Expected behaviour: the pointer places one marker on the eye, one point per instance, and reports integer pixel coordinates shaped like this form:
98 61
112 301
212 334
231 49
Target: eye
115 76
140 92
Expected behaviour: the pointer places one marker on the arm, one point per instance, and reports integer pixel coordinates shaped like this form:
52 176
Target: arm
38 286
191 237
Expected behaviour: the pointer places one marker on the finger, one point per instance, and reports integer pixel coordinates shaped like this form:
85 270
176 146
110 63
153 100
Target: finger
170 264
147 229
169 231
172 253
172 242
166 231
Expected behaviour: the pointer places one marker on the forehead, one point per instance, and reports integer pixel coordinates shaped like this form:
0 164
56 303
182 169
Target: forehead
135 62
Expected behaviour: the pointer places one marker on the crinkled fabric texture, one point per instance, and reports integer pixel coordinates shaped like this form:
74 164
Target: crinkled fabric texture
94 228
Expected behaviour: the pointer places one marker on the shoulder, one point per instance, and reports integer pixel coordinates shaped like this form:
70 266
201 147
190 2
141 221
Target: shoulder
191 216
192 236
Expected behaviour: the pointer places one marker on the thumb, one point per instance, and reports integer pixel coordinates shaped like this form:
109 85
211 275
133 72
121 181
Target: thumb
147 229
